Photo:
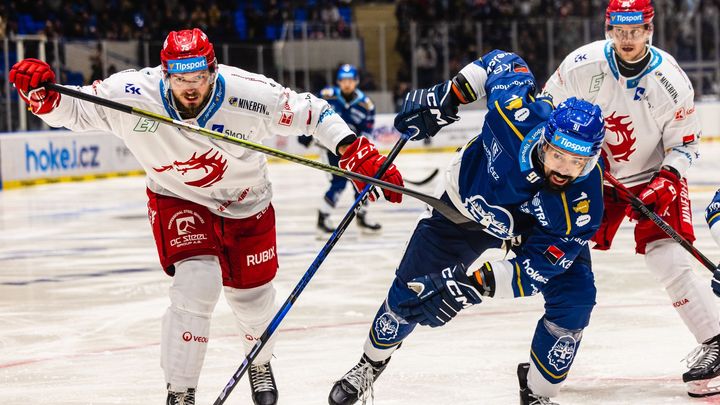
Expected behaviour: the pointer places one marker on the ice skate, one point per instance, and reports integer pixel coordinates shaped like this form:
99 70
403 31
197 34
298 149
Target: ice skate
366 226
262 384
357 383
325 227
527 397
186 397
704 365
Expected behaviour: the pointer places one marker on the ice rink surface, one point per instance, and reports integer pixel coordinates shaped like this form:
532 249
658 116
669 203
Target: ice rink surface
82 295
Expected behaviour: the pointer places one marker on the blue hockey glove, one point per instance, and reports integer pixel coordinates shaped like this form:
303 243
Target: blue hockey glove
440 296
425 111
715 283
712 212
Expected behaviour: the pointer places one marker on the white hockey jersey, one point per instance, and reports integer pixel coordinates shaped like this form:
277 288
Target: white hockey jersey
650 119
228 179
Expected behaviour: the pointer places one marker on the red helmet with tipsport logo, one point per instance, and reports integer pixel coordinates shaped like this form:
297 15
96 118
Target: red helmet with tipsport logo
187 51
629 12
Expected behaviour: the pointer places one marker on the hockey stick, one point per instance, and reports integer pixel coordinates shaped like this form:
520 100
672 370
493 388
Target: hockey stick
445 209
639 205
426 180
285 308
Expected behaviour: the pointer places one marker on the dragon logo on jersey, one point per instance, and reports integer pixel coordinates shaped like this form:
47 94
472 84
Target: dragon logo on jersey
562 353
212 167
624 147
497 220
386 327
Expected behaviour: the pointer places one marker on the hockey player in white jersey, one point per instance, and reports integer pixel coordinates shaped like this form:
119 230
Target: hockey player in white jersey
652 139
209 201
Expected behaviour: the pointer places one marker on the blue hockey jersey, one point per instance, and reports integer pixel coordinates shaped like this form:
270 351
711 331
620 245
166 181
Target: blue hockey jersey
358 113
495 181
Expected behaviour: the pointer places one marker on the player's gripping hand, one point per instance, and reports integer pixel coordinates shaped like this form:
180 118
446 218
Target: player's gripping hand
362 157
27 76
658 195
425 111
440 296
715 283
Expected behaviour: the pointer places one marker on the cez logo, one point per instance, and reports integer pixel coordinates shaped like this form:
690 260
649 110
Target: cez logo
639 93
56 158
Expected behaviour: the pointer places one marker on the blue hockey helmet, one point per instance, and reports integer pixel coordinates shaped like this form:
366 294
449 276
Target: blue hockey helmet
576 129
347 71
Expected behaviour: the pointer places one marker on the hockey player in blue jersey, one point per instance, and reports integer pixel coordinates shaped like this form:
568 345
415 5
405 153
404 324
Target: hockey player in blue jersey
712 217
358 111
532 179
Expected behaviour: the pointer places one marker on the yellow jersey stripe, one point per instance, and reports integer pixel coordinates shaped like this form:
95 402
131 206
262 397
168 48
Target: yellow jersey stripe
713 217
567 213
537 361
507 121
517 270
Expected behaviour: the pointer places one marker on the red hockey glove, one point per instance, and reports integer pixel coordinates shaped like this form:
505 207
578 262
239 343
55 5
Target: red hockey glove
362 157
29 74
658 195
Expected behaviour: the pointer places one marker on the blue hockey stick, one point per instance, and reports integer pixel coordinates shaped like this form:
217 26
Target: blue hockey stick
275 322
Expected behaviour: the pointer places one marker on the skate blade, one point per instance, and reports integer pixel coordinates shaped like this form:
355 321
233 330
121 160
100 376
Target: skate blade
370 232
703 388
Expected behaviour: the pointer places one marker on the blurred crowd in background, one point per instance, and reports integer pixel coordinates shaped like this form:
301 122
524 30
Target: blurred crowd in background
256 21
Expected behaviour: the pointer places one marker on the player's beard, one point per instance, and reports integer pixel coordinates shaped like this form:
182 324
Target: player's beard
557 188
187 112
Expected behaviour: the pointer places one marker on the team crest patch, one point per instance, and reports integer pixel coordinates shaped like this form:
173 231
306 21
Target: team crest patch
562 353
386 327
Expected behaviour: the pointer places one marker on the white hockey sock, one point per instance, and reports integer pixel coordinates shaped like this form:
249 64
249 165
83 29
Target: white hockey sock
691 296
184 344
376 354
539 385
186 324
254 308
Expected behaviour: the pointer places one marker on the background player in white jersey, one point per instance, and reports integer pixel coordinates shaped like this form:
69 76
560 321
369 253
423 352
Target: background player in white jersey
652 139
209 201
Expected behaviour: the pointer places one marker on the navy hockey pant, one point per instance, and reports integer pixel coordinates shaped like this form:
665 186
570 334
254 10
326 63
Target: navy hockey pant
437 243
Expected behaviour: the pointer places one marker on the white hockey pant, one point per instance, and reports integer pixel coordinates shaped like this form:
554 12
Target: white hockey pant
691 296
186 325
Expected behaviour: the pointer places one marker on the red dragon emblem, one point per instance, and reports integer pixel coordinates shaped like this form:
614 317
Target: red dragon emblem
623 134
214 167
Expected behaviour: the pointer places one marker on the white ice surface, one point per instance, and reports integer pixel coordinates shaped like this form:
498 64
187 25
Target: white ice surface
82 294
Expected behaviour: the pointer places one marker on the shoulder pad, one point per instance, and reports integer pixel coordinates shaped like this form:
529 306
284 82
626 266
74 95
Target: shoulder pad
366 104
670 77
327 92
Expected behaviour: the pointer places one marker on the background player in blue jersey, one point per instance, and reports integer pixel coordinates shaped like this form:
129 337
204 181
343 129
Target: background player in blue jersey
532 180
712 216
358 111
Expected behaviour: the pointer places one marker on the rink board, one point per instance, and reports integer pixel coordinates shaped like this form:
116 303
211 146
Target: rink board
31 158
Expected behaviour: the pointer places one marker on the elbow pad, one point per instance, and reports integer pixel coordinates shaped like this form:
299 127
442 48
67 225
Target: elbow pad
462 90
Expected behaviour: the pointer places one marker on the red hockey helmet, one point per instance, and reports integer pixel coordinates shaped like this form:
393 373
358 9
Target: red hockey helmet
629 12
187 51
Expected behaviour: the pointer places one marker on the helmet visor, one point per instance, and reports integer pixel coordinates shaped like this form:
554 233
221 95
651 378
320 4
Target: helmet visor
564 162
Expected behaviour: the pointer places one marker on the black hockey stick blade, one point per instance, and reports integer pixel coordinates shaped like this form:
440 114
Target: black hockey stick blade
424 181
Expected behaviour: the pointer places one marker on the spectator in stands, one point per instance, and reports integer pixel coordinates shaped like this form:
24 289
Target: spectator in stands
3 23
426 63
